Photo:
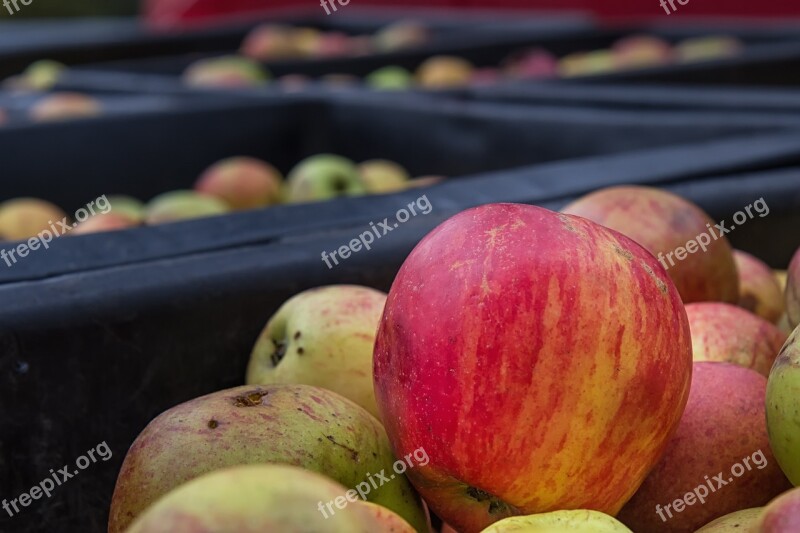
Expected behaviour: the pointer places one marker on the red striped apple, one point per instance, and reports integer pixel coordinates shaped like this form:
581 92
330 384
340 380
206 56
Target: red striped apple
698 258
729 334
540 359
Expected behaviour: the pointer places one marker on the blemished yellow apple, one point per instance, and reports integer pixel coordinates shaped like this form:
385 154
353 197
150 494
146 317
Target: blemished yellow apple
736 522
381 176
760 291
572 521
322 337
23 218
295 425
264 499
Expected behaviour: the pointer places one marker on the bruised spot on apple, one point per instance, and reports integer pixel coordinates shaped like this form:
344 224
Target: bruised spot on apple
535 359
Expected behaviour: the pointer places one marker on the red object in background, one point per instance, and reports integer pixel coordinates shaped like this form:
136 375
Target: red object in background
180 12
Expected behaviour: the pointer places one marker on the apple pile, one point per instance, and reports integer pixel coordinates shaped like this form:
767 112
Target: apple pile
233 184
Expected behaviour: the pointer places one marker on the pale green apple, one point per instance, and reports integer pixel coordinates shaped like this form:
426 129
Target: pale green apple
323 177
783 408
183 205
322 337
577 521
738 522
296 425
390 78
382 177
263 499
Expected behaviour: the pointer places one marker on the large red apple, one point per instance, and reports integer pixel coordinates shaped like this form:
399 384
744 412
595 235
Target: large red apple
689 246
541 360
719 460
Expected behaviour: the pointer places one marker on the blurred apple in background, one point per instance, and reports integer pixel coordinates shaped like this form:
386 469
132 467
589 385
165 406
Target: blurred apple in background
759 289
102 223
41 75
390 78
729 334
65 106
443 72
723 426
242 182
705 48
541 360
226 71
639 51
783 407
587 63
531 63
322 337
380 176
736 522
269 42
400 35
424 181
322 177
183 205
782 515
23 218
666 225
128 207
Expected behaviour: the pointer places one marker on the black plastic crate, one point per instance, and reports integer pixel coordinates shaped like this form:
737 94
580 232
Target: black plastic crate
94 356
147 154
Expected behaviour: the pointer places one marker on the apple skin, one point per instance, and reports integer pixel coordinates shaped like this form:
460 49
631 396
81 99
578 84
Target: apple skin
663 222
128 207
783 406
380 176
323 177
226 72
322 337
269 42
176 206
262 498
65 106
541 360
39 76
736 522
444 72
793 291
389 79
574 521
705 48
401 34
638 51
759 290
723 423
242 182
102 223
298 425
587 63
782 515
23 218
729 334
532 63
